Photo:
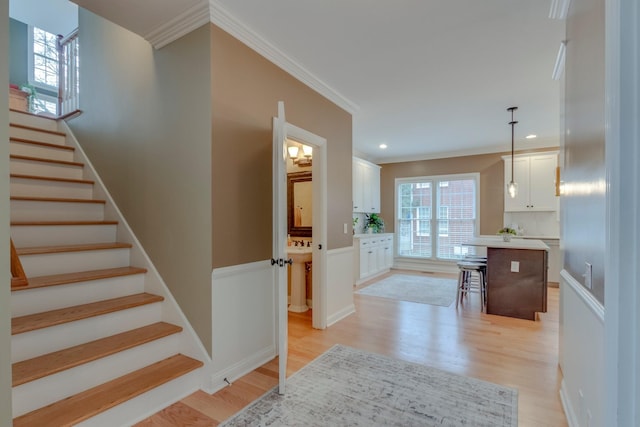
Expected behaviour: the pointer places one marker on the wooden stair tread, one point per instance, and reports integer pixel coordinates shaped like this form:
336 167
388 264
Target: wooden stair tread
55 199
48 364
44 160
52 178
80 276
82 406
36 250
19 223
37 129
42 144
46 319
32 114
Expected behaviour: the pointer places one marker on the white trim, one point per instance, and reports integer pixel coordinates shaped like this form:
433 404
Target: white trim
559 9
189 20
572 419
229 23
587 297
336 317
241 368
222 272
558 68
341 251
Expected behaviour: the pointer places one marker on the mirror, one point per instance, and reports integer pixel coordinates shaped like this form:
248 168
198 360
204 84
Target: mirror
299 207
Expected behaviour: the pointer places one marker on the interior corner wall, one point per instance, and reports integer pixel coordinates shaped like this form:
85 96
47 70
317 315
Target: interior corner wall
18 61
489 166
146 128
246 88
5 271
583 204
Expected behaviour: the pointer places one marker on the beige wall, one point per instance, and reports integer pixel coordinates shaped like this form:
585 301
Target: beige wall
583 212
246 89
492 185
146 128
5 271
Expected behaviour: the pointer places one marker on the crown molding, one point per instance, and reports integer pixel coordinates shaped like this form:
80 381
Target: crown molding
186 22
225 20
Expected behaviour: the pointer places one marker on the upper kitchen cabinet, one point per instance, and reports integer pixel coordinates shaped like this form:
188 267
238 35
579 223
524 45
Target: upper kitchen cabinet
366 186
535 175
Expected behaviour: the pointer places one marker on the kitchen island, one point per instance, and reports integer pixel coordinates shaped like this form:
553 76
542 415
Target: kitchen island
516 276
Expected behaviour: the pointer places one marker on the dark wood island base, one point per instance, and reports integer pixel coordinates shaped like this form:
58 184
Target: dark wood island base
520 294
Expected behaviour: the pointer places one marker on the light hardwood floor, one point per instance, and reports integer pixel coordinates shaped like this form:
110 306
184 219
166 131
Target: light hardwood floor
512 352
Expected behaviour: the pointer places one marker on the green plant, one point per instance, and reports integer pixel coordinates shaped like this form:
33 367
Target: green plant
507 230
374 222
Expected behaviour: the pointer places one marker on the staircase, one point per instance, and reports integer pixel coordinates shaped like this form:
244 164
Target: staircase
95 340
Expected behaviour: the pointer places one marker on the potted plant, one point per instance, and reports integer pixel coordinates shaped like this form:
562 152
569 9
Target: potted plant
507 233
374 223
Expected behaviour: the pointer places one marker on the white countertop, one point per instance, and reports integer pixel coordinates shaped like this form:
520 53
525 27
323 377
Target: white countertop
363 235
515 243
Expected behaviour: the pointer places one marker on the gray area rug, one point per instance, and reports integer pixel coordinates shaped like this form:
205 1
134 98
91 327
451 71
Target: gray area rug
407 287
350 387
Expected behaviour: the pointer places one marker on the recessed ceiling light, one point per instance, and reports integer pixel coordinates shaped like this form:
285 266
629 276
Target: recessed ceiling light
531 136
383 146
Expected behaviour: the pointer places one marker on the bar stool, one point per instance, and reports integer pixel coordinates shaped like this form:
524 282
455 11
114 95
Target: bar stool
466 283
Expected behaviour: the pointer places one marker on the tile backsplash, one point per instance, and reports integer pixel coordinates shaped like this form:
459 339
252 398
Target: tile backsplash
538 224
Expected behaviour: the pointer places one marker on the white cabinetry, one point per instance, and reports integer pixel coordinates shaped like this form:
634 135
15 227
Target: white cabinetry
374 255
366 186
535 175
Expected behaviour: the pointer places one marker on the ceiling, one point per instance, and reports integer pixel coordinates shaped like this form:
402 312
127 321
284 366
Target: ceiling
428 78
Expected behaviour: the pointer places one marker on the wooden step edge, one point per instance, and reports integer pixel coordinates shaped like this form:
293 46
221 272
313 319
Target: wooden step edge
41 144
51 363
32 322
52 178
77 277
44 160
28 113
55 200
56 223
38 250
89 403
37 129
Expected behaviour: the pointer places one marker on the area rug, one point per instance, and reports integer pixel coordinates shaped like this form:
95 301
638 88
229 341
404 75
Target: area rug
350 387
407 287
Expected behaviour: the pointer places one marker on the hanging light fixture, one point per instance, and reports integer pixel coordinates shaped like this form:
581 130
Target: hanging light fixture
300 157
512 187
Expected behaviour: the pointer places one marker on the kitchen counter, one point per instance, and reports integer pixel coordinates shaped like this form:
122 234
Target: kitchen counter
515 243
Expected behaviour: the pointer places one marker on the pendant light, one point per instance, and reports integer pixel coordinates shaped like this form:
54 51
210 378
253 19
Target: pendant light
512 187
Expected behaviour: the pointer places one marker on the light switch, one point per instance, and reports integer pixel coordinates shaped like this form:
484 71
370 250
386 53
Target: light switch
587 275
345 231
515 266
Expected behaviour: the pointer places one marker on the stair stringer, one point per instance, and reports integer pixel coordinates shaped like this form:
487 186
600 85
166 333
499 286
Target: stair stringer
171 311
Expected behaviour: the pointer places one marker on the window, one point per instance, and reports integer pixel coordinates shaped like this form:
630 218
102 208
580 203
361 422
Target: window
453 198
44 57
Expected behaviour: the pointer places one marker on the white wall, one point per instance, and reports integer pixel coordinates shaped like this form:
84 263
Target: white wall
5 293
581 354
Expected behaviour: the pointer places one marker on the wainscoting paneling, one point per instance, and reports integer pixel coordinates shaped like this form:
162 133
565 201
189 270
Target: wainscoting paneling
581 354
244 330
339 284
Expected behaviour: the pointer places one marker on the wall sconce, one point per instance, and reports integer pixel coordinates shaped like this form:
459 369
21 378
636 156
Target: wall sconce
300 158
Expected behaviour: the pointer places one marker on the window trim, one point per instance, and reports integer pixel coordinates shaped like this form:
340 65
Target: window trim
435 180
30 63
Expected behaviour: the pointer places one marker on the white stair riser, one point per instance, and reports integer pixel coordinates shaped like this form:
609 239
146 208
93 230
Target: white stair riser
69 262
32 150
38 393
54 170
33 121
26 187
53 297
22 210
35 235
34 135
42 341
144 406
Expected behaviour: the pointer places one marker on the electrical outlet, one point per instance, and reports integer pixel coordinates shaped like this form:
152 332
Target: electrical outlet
588 272
344 229
515 266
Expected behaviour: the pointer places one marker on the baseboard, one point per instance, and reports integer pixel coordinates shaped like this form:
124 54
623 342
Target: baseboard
241 368
572 420
336 317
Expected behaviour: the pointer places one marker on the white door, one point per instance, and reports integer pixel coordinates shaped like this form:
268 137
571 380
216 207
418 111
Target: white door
279 238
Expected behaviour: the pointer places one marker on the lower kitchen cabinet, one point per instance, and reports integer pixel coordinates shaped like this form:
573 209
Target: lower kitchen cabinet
373 255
